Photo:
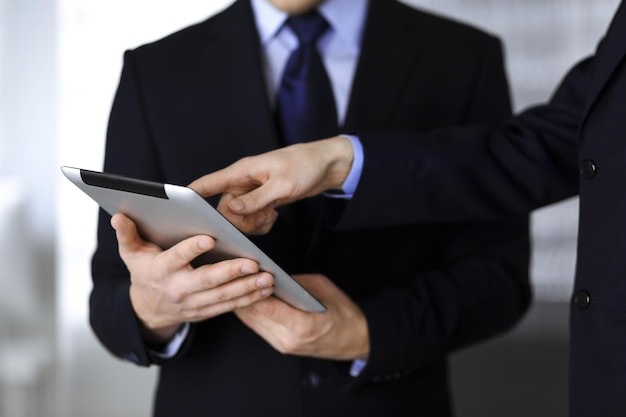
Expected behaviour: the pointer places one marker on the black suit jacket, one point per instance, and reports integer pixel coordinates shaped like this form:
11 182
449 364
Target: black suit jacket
573 144
196 101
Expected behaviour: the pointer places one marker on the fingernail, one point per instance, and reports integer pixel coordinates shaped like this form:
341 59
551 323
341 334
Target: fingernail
263 282
267 291
235 205
247 269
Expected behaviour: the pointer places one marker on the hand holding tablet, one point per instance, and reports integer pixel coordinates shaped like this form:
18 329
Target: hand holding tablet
167 214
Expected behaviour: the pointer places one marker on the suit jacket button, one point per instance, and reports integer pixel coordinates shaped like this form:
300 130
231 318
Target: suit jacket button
582 299
588 169
311 381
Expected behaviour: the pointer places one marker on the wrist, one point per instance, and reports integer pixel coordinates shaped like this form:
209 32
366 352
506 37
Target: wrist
339 155
152 332
158 336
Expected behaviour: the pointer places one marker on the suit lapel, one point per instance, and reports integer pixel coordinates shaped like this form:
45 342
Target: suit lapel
388 48
609 55
237 79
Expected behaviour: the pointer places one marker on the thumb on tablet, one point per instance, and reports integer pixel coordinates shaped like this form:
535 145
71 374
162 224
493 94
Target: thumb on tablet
126 231
129 241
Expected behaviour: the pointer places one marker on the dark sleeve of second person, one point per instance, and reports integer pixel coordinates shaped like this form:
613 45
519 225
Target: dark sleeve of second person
475 172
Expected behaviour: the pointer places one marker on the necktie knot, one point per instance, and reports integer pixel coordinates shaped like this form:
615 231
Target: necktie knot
308 27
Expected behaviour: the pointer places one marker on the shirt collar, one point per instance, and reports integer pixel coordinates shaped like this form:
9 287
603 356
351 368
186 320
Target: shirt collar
347 18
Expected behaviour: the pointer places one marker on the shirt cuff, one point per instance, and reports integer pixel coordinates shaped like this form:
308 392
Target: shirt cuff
173 346
352 181
357 367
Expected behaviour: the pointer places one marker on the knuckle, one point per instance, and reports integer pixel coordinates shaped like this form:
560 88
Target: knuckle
158 272
178 255
246 165
222 296
288 346
175 295
302 332
286 185
208 282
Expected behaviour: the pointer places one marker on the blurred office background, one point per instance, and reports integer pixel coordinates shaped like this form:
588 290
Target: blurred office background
59 65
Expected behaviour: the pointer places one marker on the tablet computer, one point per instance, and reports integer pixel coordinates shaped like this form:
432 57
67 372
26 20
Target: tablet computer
165 214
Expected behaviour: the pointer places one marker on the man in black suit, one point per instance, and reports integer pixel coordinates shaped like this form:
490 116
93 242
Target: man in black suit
399 298
572 145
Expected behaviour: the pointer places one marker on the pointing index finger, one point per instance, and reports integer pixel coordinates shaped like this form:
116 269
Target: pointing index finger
211 184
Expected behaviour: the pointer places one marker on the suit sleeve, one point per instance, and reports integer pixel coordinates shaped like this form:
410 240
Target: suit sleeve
478 286
479 290
482 171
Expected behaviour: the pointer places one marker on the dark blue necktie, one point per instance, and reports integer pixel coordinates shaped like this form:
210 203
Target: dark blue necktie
305 104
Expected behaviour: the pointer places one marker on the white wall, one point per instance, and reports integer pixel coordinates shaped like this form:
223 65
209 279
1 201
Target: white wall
27 125
92 39
27 195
